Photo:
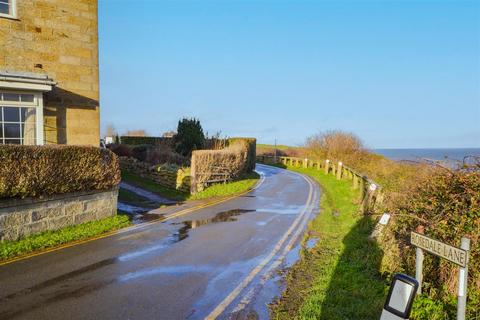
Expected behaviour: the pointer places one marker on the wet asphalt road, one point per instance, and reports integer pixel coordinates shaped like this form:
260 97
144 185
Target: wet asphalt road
219 261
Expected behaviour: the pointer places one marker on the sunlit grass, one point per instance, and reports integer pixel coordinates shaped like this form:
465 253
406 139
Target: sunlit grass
228 189
217 190
339 277
48 239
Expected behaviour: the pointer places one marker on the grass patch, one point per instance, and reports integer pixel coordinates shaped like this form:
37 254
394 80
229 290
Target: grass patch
218 190
48 239
152 186
228 189
339 278
134 199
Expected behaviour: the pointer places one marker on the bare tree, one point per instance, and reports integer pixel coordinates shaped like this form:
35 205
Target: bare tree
334 144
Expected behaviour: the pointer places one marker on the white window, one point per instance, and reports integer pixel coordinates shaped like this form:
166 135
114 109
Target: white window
21 118
8 8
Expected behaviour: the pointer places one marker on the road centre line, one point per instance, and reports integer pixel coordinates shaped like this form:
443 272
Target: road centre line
247 280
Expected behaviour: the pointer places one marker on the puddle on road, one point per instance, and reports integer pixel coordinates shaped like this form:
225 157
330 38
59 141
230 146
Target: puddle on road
225 216
311 243
138 214
282 209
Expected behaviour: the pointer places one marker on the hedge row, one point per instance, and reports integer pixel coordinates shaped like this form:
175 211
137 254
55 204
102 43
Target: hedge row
251 151
153 141
35 171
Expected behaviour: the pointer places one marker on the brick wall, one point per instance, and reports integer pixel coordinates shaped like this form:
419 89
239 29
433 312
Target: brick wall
22 217
58 38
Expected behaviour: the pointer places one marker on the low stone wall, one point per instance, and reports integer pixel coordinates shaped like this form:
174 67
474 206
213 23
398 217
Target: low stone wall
22 217
172 179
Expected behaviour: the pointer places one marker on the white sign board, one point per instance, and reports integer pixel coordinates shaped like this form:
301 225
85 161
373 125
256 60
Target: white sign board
453 254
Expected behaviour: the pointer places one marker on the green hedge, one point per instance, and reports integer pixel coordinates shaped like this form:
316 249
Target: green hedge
153 141
252 151
34 171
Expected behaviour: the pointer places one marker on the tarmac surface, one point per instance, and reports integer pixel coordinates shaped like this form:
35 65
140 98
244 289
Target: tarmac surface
221 262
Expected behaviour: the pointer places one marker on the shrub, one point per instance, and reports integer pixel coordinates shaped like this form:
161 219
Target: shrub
189 136
251 146
121 150
213 166
33 171
447 206
160 155
140 152
334 145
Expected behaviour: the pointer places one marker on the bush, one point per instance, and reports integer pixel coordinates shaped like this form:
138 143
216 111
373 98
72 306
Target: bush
33 171
140 152
251 145
334 145
121 150
160 155
447 206
214 166
189 136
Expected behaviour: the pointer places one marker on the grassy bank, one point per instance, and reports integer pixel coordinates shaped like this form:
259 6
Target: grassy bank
49 239
218 190
338 278
228 189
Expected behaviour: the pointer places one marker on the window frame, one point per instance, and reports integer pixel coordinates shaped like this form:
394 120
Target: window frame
37 104
13 10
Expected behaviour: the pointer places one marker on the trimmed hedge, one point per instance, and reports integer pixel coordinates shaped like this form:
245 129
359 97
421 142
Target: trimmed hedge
251 151
35 171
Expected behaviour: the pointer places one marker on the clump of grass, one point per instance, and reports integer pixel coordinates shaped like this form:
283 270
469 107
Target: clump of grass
228 189
339 278
48 239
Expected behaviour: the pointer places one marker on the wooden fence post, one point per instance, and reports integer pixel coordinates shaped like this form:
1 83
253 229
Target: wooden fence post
339 170
327 166
305 163
193 179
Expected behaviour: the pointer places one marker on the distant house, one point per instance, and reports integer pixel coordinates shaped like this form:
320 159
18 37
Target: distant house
49 72
169 134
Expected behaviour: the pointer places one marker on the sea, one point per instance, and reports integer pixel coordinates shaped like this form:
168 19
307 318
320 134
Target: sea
445 155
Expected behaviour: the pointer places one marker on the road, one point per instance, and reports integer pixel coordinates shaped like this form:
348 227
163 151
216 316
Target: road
217 262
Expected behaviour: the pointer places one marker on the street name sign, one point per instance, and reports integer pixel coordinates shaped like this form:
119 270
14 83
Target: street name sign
448 252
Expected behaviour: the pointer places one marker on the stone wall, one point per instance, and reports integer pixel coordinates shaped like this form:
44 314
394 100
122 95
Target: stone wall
58 38
22 217
173 179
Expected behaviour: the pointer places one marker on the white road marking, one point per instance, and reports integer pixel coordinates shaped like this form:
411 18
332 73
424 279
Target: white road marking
247 280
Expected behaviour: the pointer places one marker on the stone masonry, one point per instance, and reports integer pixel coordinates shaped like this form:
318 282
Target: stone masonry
22 217
58 38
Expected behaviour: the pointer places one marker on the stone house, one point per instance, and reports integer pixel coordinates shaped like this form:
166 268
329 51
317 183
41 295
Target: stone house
49 92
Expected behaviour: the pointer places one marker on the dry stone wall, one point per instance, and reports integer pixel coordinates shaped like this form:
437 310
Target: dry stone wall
23 217
169 178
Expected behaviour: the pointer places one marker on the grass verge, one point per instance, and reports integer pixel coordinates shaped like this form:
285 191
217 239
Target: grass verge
218 190
338 278
228 189
49 239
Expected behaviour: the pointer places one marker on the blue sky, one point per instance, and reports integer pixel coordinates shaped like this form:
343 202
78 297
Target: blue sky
397 73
